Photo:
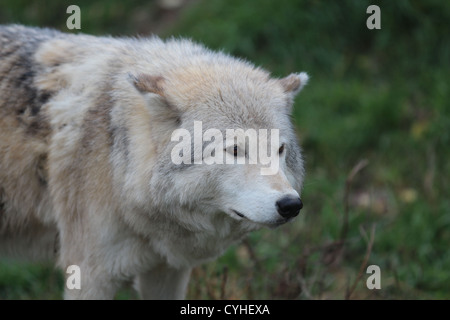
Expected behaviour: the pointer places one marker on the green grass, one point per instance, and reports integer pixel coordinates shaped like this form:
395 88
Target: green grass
29 281
379 95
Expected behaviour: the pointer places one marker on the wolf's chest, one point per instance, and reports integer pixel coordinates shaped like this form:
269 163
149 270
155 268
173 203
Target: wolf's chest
189 248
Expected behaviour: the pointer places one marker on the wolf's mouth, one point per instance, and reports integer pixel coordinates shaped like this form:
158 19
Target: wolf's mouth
239 214
272 224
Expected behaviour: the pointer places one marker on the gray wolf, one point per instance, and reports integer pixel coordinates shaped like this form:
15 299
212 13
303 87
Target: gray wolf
86 175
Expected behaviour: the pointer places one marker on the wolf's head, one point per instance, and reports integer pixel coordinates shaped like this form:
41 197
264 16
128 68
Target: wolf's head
224 141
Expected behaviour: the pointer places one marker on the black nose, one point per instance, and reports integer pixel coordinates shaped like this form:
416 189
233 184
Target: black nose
289 207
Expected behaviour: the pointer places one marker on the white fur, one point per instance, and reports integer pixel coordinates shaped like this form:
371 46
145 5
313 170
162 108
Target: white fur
121 208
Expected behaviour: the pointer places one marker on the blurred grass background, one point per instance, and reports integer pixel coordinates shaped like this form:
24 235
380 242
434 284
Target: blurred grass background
377 98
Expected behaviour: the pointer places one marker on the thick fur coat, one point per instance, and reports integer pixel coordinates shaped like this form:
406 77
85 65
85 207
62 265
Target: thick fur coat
86 175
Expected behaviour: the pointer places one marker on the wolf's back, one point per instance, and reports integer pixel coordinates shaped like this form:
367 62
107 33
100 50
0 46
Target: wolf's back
19 98
24 132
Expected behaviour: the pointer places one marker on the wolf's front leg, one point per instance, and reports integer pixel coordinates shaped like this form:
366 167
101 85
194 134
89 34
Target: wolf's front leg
163 283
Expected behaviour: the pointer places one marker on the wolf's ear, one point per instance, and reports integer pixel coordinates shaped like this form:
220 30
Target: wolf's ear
158 104
294 83
146 83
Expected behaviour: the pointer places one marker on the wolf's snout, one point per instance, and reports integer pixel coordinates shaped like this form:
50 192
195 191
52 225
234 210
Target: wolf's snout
289 207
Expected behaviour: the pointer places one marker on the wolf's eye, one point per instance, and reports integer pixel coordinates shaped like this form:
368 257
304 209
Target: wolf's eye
281 150
235 150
